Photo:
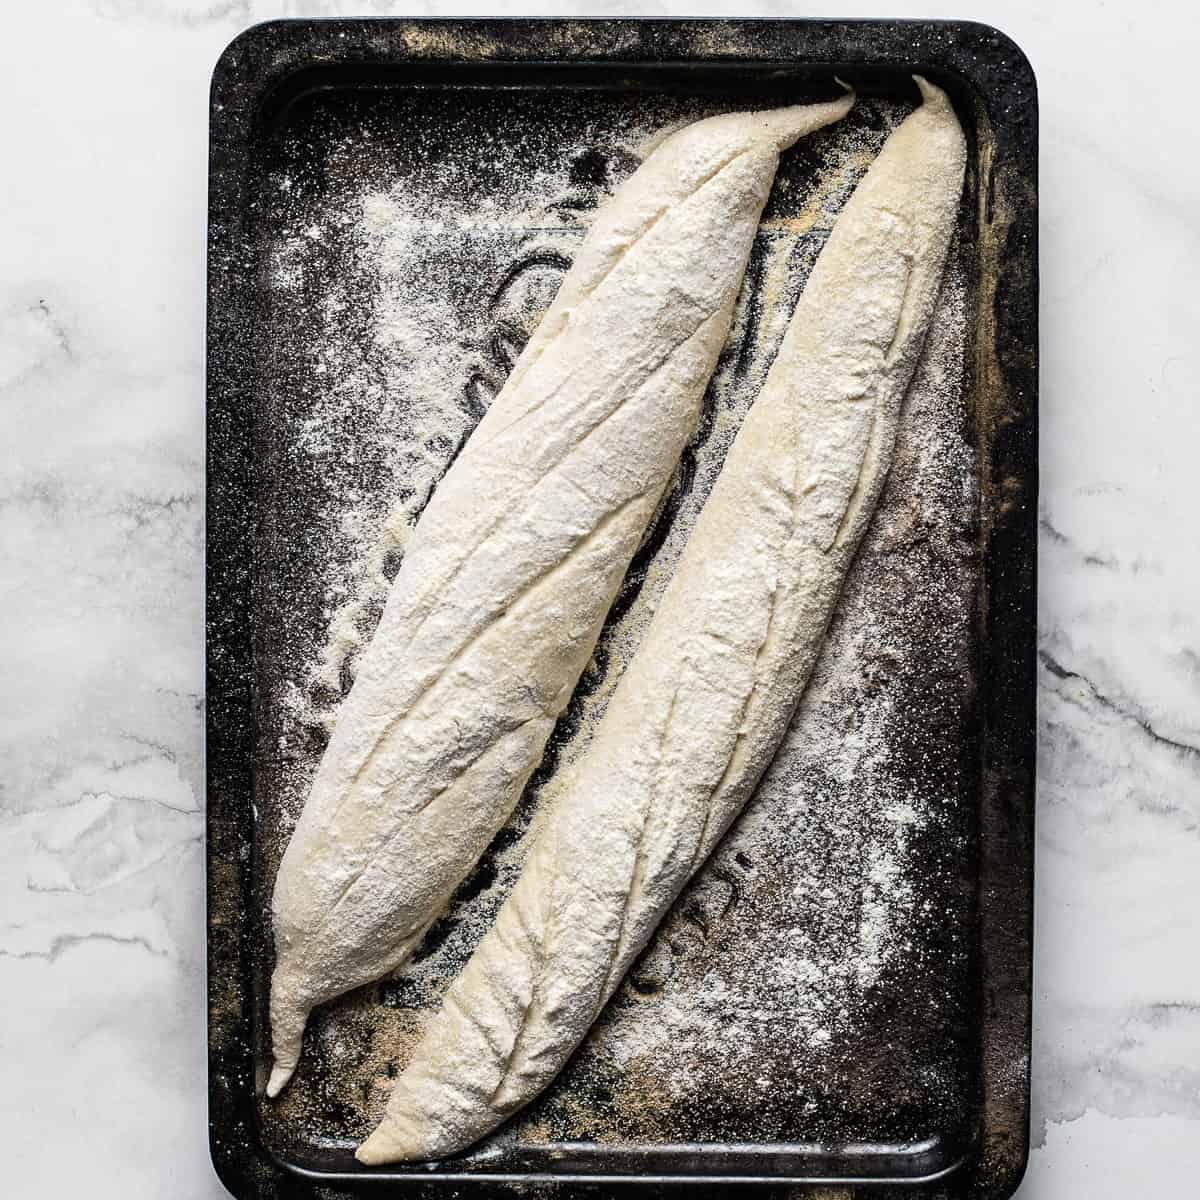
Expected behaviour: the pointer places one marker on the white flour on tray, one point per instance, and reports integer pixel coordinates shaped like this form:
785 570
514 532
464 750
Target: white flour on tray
769 973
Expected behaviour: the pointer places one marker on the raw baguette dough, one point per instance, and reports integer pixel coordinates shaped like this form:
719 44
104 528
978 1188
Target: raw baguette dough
512 568
703 705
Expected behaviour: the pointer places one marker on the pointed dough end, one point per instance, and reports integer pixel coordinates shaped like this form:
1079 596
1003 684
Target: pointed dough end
280 1077
386 1144
930 94
288 1020
789 125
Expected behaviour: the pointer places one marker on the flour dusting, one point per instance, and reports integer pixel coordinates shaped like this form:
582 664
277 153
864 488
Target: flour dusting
406 274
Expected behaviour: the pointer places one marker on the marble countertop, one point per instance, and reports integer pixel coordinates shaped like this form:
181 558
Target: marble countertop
102 228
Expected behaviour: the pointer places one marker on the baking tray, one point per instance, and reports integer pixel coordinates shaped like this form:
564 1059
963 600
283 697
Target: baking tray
905 1074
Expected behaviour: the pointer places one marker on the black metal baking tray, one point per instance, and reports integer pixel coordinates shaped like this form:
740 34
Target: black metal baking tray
929 1097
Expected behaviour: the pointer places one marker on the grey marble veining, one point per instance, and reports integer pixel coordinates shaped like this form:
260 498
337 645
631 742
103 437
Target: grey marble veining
101 553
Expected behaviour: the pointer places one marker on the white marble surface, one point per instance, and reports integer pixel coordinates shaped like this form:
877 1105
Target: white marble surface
103 111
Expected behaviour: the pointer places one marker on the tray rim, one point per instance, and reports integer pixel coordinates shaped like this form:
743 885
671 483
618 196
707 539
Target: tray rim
251 73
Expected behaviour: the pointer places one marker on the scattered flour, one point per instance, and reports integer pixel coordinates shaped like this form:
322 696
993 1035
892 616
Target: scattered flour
804 984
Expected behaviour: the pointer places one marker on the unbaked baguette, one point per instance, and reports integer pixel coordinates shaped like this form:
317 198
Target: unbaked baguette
514 564
703 705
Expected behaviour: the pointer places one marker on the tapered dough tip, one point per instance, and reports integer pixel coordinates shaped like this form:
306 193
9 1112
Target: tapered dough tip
931 94
287 1035
386 1144
786 126
279 1080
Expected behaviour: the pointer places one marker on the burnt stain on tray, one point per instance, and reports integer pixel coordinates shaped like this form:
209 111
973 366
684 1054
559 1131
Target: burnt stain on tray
836 995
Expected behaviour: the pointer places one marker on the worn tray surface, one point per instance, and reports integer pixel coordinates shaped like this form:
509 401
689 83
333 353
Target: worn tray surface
812 1007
